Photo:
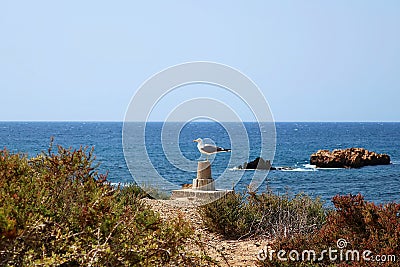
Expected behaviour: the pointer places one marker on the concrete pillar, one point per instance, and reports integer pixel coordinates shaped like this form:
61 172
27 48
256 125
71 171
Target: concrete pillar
204 180
204 170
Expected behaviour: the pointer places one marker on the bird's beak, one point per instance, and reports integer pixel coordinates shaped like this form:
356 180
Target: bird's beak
195 140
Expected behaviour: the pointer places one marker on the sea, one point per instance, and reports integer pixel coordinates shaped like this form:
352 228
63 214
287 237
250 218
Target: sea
295 142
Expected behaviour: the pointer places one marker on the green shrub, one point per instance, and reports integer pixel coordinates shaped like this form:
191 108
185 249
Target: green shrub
284 215
363 225
144 191
228 215
239 215
55 209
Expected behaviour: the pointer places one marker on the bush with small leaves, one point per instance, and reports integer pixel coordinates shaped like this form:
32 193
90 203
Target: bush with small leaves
228 215
240 215
355 226
55 209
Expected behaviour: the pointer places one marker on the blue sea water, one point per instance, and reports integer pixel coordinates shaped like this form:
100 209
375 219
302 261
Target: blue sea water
294 144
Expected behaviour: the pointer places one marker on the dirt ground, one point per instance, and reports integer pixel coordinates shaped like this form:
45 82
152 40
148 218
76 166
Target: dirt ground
226 252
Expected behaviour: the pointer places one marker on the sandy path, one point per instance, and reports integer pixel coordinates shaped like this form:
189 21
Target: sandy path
227 252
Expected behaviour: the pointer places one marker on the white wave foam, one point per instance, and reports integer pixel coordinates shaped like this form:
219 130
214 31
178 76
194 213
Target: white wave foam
235 169
238 169
330 169
298 170
283 169
309 166
306 168
121 184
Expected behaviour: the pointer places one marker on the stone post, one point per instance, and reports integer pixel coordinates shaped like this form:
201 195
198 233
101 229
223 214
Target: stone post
204 180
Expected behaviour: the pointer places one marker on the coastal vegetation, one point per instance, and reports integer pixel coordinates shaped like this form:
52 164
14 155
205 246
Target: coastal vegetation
57 210
357 232
267 215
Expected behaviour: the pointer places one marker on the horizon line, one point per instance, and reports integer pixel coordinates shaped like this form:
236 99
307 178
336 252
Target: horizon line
119 121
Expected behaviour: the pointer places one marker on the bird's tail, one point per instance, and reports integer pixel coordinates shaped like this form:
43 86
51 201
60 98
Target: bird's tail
224 150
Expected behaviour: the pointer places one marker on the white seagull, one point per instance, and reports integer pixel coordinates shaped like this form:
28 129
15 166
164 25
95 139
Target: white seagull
209 149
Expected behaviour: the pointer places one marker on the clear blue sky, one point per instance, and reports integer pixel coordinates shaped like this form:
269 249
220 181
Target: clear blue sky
314 60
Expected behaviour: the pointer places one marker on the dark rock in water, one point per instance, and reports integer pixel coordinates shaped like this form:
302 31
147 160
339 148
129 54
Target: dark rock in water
348 158
259 164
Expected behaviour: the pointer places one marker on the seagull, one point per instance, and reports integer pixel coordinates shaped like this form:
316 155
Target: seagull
209 149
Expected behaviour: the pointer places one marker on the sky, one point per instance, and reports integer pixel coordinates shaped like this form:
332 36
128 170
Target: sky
313 60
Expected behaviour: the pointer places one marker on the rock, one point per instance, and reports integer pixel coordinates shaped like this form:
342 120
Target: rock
348 158
259 164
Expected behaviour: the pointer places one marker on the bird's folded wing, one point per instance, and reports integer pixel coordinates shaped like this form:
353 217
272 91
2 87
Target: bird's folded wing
209 149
